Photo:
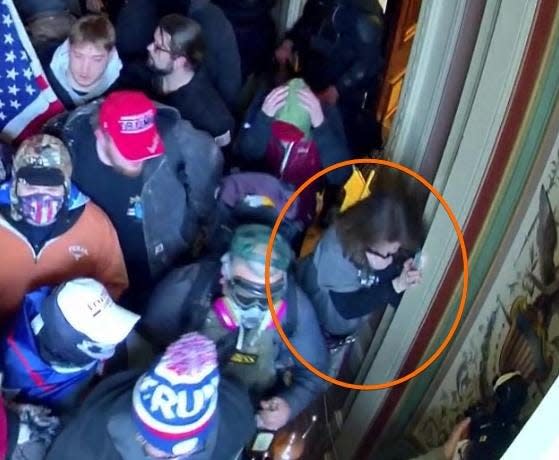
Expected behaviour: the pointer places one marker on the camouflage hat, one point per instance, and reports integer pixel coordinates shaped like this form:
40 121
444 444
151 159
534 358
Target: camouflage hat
250 242
40 157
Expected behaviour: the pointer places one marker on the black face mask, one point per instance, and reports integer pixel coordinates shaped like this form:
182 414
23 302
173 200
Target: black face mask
247 294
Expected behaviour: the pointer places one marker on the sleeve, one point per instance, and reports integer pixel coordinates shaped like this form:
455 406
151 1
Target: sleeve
203 169
167 315
255 133
331 142
309 342
229 82
351 305
368 47
110 268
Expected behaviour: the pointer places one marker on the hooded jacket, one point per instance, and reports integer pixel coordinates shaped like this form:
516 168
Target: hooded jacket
103 428
57 75
333 284
178 194
86 245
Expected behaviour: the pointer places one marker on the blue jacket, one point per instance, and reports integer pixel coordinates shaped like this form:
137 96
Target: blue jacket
26 374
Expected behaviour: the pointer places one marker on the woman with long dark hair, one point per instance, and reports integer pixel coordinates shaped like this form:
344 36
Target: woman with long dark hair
364 260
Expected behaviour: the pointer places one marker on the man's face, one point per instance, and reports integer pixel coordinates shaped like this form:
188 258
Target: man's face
40 203
88 62
160 58
110 155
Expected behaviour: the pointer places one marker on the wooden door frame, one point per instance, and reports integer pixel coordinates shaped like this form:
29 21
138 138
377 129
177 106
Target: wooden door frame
482 108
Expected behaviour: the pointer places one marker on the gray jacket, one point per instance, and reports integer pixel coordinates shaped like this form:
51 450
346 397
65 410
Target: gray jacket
324 270
342 294
178 195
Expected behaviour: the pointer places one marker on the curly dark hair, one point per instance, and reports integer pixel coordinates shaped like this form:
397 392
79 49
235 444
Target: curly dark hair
391 213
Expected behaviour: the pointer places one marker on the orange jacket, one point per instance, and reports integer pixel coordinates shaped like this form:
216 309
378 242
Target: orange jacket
89 248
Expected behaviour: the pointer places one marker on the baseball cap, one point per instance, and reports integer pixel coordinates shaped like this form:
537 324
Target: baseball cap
129 118
89 309
186 374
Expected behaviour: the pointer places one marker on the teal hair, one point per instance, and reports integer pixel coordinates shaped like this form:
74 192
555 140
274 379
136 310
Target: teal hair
250 241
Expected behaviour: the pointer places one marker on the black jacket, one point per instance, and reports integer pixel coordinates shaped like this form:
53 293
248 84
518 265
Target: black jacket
103 428
340 43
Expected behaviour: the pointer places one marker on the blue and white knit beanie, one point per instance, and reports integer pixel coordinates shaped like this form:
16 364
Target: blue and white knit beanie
175 401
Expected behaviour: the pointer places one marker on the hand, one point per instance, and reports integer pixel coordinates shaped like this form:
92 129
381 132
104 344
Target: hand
312 105
330 95
274 414
275 101
459 433
284 52
409 277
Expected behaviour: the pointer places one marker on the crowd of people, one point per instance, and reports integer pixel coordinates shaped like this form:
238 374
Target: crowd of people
134 228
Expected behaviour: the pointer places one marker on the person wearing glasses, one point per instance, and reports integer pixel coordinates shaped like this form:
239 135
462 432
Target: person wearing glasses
181 408
226 301
360 264
174 57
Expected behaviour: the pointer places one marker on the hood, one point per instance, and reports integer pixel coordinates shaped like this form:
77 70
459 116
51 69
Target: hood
59 66
334 271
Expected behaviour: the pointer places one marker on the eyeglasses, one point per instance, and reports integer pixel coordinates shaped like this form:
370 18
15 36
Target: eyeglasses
156 47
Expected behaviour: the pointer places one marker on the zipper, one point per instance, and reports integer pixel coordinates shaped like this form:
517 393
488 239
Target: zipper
286 157
12 230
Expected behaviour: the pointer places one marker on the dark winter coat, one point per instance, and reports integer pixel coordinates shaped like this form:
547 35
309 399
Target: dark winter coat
103 428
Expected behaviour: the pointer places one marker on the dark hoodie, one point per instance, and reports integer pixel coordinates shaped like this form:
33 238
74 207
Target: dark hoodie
103 428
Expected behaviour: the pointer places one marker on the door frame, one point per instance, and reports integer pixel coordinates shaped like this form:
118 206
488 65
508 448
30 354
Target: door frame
482 108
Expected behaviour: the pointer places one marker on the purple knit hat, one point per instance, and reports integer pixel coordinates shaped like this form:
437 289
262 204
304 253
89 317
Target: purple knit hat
175 401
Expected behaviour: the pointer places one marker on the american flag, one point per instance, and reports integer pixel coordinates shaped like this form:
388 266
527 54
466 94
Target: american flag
26 98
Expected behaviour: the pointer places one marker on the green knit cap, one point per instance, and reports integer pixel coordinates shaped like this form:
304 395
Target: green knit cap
293 111
250 242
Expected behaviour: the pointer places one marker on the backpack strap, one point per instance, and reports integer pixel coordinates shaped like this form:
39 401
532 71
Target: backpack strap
292 313
200 295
